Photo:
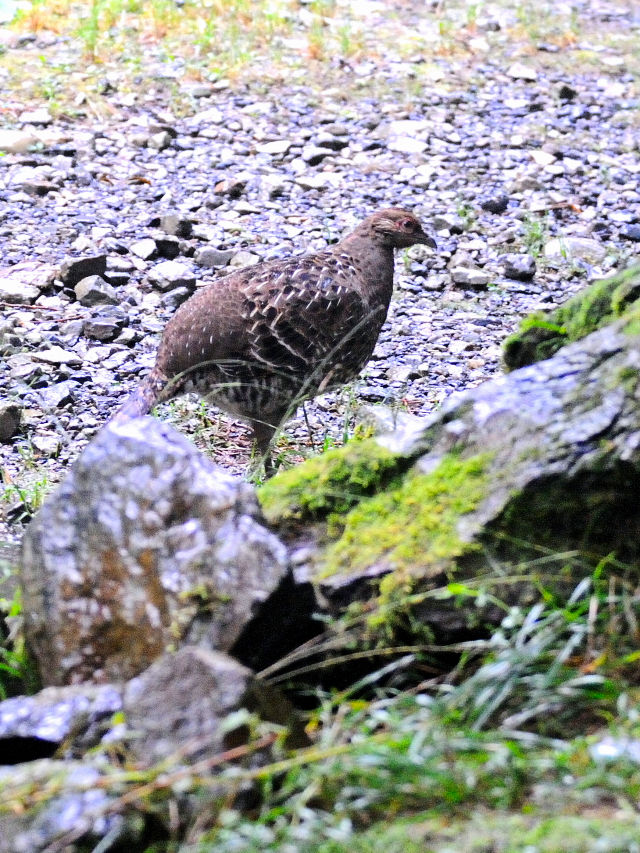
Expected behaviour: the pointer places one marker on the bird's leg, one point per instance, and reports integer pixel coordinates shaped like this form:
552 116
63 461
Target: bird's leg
309 431
262 435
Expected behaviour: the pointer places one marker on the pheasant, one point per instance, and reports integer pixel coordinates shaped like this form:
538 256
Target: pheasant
259 341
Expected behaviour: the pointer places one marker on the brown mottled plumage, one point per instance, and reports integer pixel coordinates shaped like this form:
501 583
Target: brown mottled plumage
261 340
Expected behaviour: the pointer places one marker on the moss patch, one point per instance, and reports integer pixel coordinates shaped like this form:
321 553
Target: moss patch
503 831
331 483
413 525
541 335
632 318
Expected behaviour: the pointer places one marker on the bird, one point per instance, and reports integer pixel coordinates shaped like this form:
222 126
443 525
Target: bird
259 341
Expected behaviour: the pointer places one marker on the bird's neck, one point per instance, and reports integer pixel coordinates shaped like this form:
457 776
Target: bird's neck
373 259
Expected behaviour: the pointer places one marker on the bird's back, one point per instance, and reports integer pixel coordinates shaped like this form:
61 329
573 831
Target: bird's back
313 319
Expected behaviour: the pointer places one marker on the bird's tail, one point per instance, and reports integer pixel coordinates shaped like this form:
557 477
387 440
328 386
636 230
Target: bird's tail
142 399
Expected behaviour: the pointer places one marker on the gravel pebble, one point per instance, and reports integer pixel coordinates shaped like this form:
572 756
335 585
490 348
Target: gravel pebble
94 290
520 267
10 414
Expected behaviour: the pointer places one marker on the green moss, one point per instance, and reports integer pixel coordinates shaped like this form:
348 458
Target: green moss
486 830
414 524
632 317
330 483
628 379
542 335
536 340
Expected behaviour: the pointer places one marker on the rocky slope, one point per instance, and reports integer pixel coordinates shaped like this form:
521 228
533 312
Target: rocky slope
527 172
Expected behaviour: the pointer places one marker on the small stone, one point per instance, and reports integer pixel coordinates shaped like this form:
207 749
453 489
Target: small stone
38 187
408 127
631 232
622 217
313 154
243 258
170 274
231 187
497 203
476 363
102 327
450 222
174 298
10 415
401 372
168 247
56 355
201 90
176 225
330 140
94 290
272 186
317 182
524 182
166 723
138 140
24 370
210 116
276 148
520 267
47 445
159 141
117 278
145 248
16 141
571 248
58 395
458 347
24 282
40 115
209 256
73 270
71 331
519 71
470 276
407 145
573 166
542 158
566 92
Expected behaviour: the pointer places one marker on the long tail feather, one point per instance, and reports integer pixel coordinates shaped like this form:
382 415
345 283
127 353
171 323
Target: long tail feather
142 399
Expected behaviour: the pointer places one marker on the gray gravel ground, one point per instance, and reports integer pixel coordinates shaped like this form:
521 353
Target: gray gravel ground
525 169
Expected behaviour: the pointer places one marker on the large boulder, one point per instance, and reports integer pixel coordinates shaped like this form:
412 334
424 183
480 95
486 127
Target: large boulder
191 707
181 706
145 545
36 726
544 460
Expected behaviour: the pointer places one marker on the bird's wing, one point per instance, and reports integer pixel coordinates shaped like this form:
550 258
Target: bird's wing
310 314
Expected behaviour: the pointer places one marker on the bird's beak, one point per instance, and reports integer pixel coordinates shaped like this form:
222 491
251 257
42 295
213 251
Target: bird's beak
426 240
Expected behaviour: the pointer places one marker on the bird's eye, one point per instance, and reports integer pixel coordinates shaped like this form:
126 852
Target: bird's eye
409 225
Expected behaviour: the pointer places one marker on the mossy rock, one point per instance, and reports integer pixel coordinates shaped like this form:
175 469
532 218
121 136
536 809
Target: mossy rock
542 334
412 527
330 483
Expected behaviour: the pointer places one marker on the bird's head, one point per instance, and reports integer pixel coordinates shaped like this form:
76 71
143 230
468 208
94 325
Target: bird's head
397 228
